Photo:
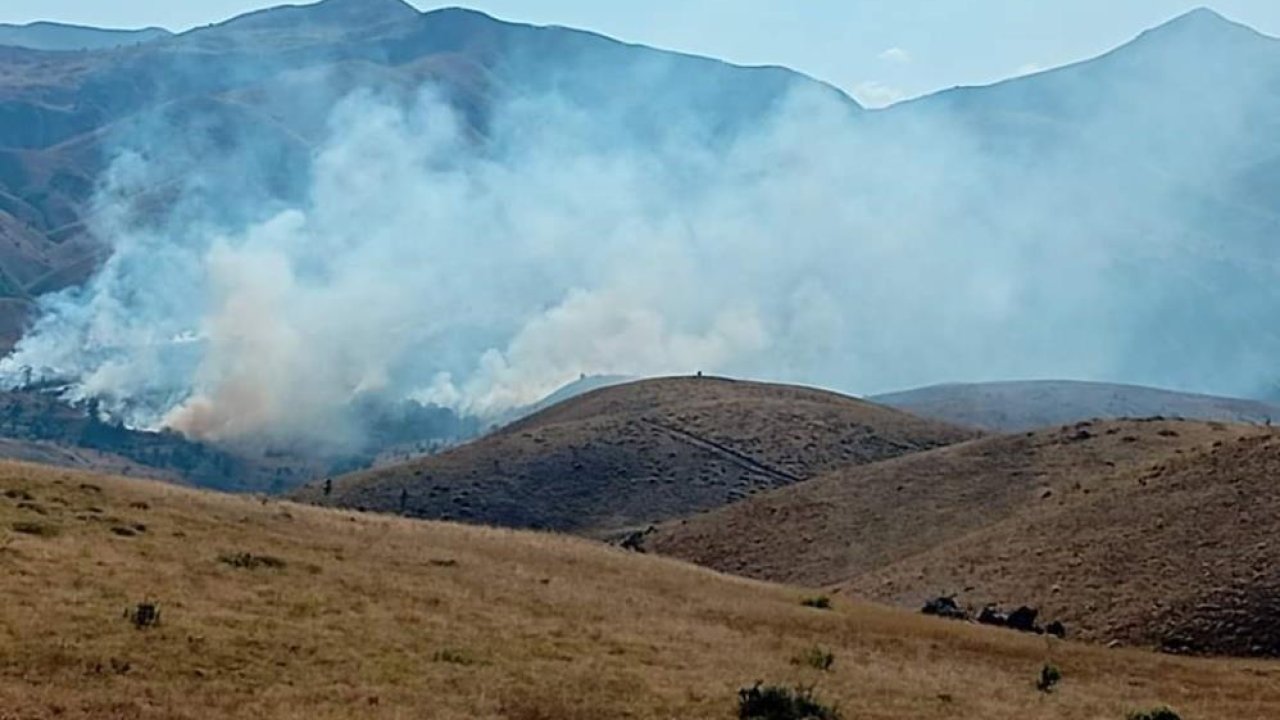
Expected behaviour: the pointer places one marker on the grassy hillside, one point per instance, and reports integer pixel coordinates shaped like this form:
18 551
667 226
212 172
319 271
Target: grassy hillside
1091 523
334 615
638 453
1028 405
1180 554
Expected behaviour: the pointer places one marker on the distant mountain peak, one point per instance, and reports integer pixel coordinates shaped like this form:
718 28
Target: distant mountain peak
1201 15
326 13
1201 23
389 8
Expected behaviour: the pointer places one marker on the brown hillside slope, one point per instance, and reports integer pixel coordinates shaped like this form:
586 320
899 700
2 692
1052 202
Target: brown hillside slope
377 617
1182 554
950 520
641 452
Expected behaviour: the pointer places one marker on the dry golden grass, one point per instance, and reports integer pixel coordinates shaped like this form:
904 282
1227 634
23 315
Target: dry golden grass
633 454
1150 533
842 525
379 617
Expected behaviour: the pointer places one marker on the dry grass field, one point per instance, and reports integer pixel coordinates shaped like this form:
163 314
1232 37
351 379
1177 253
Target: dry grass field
638 453
1159 533
378 617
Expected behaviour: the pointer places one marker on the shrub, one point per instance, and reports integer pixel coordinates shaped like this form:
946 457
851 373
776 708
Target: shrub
249 561
1160 713
455 657
822 602
777 702
815 657
144 615
1049 677
36 528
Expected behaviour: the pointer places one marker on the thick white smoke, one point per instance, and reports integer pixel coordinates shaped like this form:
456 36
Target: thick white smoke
422 262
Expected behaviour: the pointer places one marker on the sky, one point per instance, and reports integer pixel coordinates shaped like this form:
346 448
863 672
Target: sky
879 51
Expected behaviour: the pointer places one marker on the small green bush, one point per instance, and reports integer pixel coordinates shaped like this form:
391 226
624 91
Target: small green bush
1160 713
815 657
1049 677
822 602
777 702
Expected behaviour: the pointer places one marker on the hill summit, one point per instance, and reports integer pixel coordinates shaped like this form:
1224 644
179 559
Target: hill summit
628 455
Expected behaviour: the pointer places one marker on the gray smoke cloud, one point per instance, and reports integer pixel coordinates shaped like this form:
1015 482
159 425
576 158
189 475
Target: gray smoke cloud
859 252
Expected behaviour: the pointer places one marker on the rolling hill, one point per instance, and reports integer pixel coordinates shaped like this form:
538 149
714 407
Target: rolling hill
63 37
276 610
1142 532
1179 555
1027 405
633 454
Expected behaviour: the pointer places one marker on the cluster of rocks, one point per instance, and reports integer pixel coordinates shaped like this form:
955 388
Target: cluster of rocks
1023 619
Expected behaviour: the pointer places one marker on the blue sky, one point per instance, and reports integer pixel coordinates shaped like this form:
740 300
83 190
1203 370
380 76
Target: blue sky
879 51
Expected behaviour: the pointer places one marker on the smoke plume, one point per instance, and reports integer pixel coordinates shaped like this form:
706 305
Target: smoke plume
411 258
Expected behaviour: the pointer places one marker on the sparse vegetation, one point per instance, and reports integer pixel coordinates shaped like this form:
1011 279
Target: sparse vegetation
557 628
815 657
583 466
779 702
896 532
821 602
1160 713
1050 676
249 561
456 657
144 615
39 529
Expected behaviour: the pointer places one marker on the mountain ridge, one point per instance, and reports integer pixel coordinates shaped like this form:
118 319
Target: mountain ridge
51 36
1020 405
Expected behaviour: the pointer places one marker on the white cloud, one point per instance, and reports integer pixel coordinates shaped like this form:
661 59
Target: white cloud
875 94
895 55
1030 68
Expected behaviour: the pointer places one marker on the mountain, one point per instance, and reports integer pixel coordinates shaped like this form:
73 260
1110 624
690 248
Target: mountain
60 37
276 610
1123 208
629 455
1141 532
1027 405
269 80
1062 224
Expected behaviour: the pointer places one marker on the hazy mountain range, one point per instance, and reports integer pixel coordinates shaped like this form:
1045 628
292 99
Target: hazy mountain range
606 208
61 36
